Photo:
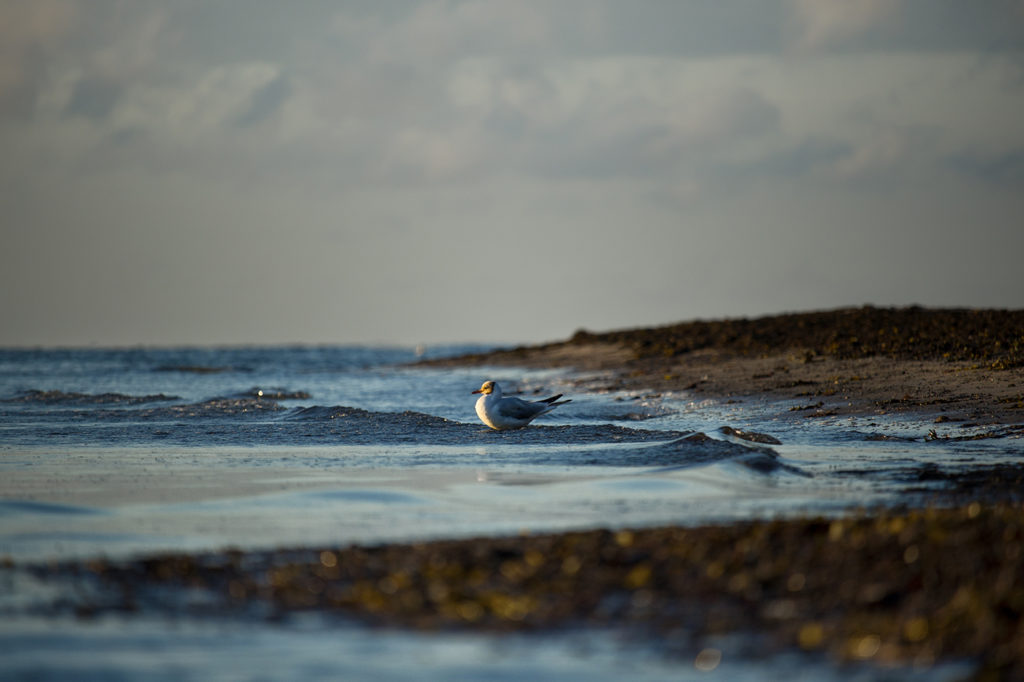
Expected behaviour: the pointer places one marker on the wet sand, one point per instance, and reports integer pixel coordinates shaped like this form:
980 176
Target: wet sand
962 366
913 588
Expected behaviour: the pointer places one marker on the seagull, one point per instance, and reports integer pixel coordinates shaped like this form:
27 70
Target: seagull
510 413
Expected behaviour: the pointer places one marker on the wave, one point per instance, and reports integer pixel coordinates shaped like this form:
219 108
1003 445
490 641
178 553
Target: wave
215 407
72 398
564 445
20 507
412 438
355 421
274 393
200 369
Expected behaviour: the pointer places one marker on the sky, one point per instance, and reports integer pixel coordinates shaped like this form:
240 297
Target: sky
260 172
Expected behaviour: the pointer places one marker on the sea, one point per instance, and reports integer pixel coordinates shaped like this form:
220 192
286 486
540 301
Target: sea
124 453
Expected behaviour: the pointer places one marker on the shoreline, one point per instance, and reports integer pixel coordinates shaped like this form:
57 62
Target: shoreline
959 366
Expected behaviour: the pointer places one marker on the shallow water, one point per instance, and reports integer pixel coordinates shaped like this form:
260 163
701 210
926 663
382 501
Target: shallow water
119 648
117 453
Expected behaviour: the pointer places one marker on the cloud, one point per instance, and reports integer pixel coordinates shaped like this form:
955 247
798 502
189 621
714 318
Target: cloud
265 101
1003 167
419 155
656 135
224 96
924 26
28 30
448 92
888 151
599 119
828 23
626 134
436 32
93 98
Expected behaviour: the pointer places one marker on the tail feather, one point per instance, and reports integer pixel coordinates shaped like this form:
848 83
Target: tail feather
551 401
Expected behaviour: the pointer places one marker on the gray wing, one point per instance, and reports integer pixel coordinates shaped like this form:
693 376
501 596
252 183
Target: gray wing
520 409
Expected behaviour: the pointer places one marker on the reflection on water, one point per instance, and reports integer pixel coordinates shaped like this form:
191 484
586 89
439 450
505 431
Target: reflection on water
113 648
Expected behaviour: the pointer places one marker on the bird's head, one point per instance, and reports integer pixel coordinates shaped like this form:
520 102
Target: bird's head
487 388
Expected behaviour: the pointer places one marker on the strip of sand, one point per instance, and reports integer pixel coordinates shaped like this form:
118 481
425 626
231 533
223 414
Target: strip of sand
947 365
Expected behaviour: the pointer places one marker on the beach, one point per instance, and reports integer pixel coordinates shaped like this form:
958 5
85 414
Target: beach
958 369
799 493
959 366
912 589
